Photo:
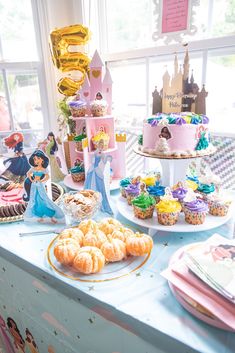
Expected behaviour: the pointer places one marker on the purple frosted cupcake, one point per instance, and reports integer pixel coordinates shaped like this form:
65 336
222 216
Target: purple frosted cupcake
78 107
195 211
132 191
179 192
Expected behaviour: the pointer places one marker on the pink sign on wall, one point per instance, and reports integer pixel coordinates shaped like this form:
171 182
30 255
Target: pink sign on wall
174 15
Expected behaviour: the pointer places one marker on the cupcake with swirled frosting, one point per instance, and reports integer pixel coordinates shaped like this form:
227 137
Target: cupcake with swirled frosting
123 185
195 209
219 204
179 192
78 172
143 206
168 209
99 106
156 191
77 107
132 190
205 189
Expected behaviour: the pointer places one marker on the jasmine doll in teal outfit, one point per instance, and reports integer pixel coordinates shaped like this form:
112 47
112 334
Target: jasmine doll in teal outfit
40 207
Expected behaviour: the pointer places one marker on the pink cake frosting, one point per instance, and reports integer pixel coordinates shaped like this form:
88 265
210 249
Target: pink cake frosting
183 134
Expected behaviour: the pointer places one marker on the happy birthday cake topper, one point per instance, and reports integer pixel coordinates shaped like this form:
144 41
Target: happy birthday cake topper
179 92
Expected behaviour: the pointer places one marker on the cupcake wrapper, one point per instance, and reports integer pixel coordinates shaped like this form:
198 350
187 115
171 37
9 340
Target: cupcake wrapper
168 219
79 112
123 192
106 144
204 196
79 146
78 177
98 111
194 217
143 213
130 197
157 198
218 210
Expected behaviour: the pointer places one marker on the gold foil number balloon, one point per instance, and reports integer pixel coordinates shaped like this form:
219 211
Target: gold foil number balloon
66 60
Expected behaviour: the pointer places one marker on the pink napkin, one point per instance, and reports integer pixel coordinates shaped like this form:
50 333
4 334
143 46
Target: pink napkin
179 275
12 196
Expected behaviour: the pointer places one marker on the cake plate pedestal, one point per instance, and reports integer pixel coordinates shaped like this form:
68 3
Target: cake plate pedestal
173 169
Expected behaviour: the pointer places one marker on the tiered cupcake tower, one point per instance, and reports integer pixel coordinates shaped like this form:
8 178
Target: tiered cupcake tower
196 214
93 124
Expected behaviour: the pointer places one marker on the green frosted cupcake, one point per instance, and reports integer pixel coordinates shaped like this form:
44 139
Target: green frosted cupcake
143 206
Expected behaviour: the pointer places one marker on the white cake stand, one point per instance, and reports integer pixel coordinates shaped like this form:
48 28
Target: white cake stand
173 169
68 181
180 227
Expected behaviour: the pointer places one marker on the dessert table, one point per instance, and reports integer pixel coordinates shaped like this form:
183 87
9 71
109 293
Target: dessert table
134 313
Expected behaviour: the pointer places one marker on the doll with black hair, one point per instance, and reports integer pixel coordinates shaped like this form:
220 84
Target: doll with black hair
40 206
30 342
51 149
19 343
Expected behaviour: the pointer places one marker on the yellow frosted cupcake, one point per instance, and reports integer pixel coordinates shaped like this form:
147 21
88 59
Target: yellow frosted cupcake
101 136
149 180
168 209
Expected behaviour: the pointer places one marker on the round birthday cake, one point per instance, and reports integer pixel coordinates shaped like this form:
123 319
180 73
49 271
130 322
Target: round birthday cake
176 135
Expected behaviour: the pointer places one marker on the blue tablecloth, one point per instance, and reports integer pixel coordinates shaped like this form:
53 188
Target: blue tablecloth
140 303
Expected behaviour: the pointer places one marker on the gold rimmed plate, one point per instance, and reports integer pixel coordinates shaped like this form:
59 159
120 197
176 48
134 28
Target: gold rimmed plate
111 271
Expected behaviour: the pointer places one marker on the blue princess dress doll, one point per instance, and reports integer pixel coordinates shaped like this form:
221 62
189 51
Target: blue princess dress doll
95 178
17 166
40 208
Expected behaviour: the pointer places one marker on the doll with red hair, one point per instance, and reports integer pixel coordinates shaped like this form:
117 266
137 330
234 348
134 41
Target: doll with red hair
18 165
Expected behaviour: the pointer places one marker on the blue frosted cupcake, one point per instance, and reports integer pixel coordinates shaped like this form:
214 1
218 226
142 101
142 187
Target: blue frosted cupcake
156 191
205 190
123 185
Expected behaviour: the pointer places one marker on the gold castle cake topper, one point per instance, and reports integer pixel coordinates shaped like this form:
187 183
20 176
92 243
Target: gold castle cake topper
179 93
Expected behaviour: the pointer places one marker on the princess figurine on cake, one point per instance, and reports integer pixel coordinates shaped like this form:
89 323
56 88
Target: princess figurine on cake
40 208
95 178
17 166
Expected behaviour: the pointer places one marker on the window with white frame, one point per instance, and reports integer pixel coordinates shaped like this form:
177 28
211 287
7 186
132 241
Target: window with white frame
137 62
21 79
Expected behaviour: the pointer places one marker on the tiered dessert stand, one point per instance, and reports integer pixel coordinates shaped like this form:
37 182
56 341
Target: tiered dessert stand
173 171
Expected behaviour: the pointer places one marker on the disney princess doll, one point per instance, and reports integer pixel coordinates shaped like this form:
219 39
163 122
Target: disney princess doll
95 176
40 207
17 166
50 147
